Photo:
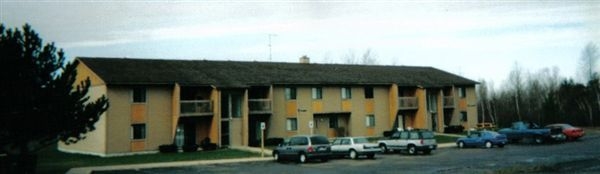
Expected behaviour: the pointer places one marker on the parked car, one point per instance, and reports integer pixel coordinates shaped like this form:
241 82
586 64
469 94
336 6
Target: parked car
303 148
411 141
487 139
522 130
354 147
571 132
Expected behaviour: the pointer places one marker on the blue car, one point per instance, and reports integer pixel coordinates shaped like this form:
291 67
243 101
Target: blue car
487 139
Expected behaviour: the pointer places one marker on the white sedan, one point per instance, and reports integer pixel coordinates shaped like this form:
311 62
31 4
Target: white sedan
354 147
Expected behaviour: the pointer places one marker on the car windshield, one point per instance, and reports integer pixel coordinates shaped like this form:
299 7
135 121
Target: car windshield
360 140
319 140
427 135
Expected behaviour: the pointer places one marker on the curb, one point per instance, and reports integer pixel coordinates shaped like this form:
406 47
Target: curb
88 170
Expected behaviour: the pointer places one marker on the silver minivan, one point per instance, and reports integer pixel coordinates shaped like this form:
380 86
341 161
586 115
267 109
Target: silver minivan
303 148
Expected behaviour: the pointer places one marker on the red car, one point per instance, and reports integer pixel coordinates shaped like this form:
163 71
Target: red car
572 132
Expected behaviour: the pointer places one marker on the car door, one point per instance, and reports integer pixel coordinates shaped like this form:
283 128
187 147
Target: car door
474 139
336 146
405 138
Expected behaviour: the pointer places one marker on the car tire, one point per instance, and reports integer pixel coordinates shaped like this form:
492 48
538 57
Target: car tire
276 157
371 156
488 144
353 154
412 150
384 148
324 159
460 144
302 158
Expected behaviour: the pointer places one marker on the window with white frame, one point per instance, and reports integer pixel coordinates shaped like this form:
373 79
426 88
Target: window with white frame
138 131
317 93
291 124
463 116
462 92
346 93
370 121
290 93
138 95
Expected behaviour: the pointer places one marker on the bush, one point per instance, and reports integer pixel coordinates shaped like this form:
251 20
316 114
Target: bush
273 141
167 148
190 147
454 129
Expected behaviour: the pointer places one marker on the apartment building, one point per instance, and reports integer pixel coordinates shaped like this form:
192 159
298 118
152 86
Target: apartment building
158 101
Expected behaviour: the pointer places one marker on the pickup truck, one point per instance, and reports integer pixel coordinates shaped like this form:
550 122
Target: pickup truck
531 131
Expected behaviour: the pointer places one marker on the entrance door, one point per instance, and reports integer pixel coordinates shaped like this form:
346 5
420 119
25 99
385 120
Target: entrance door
399 123
225 138
434 122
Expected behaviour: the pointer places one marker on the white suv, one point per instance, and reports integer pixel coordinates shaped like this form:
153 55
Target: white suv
411 141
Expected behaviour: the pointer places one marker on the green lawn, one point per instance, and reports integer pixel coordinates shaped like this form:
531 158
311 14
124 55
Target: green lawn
445 139
53 161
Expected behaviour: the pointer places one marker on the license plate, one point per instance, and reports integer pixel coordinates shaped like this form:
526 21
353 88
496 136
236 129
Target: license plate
431 147
321 149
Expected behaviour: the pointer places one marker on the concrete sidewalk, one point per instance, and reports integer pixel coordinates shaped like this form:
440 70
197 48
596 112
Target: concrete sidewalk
267 153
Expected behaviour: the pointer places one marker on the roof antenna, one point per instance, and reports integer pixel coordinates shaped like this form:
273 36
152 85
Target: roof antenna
270 55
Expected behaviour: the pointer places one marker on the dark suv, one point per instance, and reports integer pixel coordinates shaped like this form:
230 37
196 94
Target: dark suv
411 141
303 148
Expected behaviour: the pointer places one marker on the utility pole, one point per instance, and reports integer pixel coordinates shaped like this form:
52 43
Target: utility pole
270 55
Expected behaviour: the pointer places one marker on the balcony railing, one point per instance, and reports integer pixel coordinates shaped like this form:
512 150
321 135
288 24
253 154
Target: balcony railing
448 102
259 106
405 103
195 108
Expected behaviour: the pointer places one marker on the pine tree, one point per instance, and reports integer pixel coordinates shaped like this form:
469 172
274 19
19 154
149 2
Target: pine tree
40 101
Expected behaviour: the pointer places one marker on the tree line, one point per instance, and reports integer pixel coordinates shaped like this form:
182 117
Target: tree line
544 97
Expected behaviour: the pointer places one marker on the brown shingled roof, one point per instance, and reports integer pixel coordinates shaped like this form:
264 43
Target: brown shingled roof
127 71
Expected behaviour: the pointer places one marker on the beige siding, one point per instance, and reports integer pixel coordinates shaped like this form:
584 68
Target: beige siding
95 141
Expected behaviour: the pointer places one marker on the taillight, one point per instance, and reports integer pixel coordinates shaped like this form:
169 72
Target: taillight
310 149
422 142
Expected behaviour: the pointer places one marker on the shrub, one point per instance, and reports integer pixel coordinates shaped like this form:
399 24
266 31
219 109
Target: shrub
273 141
190 147
167 148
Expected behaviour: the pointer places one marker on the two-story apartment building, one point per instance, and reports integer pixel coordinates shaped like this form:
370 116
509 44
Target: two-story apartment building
155 102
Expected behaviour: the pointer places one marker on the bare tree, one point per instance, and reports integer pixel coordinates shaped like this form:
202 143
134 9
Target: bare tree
516 84
588 62
350 57
369 57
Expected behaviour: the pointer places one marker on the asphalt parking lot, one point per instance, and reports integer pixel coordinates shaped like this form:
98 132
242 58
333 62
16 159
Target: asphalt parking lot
581 156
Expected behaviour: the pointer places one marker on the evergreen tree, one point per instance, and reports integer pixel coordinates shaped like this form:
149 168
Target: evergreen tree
40 101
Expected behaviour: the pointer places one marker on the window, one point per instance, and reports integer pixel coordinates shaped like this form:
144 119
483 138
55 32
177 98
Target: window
138 131
462 92
139 95
370 120
291 124
368 92
404 135
346 93
333 122
317 93
346 142
231 105
290 93
299 141
463 116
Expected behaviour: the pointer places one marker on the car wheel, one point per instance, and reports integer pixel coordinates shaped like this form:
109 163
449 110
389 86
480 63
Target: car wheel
353 154
371 156
488 144
302 158
412 150
461 144
324 159
276 156
384 148
538 139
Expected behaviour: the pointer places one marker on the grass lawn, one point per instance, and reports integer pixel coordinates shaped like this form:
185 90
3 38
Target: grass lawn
445 139
51 160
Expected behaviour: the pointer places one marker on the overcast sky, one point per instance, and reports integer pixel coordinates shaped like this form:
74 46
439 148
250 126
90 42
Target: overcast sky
479 40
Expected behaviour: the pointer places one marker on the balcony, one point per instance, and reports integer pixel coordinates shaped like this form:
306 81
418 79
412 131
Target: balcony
259 106
408 103
195 108
448 102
